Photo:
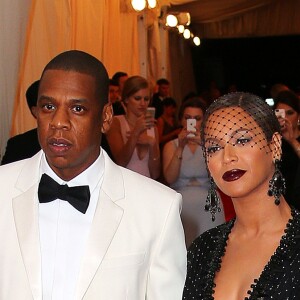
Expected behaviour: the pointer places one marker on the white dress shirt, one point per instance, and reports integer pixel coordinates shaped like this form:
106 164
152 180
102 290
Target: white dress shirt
64 232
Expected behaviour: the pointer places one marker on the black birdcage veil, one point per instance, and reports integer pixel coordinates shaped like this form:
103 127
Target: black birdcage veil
238 119
243 121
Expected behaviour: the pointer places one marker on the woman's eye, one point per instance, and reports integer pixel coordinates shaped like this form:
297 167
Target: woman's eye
289 112
138 98
212 149
243 141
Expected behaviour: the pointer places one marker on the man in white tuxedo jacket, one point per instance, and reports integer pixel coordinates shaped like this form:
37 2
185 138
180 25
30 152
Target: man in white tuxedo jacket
73 224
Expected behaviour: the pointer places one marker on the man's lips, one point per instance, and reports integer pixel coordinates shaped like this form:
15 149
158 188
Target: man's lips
59 144
233 175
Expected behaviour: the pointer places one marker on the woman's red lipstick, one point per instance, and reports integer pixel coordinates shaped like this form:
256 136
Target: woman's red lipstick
233 175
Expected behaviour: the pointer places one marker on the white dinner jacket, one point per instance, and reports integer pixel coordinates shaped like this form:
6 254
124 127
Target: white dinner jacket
135 248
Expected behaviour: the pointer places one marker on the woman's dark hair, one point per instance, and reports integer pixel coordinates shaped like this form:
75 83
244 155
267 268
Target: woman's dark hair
132 85
289 98
193 102
169 102
255 106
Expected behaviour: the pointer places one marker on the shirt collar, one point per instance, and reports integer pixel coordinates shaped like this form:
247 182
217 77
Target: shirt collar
91 176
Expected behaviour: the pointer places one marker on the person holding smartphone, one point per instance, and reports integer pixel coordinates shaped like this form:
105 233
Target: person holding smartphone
287 110
184 169
133 137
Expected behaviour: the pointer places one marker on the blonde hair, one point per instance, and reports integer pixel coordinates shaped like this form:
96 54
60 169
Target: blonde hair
132 85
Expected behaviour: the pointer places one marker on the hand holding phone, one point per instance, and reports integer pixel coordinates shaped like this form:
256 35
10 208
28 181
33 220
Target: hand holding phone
150 114
191 127
280 113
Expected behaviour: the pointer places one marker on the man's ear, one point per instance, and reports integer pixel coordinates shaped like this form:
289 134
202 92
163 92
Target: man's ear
276 146
33 110
107 117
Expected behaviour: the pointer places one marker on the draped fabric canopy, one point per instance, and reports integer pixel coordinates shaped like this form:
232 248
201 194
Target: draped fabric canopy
55 26
241 18
34 31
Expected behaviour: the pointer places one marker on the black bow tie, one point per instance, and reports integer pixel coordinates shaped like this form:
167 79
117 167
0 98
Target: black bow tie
77 196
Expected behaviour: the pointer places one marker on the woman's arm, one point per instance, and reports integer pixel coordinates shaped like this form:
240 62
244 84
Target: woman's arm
167 137
121 152
172 157
154 157
289 136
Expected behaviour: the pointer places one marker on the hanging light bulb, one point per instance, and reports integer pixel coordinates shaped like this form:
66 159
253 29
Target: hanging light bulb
138 5
152 3
180 28
196 41
186 33
171 21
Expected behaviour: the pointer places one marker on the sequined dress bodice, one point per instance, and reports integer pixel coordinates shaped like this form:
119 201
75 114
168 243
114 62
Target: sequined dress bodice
279 280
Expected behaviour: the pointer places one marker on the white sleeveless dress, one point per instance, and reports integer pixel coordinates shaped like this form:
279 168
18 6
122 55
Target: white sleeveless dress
135 164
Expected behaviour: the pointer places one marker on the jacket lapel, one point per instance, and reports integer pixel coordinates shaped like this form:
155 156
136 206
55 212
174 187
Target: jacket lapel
107 218
25 209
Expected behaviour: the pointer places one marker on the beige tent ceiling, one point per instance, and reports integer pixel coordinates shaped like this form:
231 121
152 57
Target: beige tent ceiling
240 18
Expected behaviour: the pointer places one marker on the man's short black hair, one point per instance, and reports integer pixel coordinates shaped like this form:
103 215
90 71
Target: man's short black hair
113 82
162 81
116 77
82 62
32 94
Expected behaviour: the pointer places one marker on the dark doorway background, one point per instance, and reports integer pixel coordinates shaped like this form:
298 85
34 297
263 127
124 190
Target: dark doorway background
253 64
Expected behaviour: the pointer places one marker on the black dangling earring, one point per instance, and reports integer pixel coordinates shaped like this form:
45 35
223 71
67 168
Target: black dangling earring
276 184
212 201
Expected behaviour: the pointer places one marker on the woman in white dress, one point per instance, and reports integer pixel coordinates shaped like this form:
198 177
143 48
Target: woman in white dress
133 137
185 170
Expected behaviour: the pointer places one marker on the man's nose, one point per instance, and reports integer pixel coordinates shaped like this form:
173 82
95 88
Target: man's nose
60 119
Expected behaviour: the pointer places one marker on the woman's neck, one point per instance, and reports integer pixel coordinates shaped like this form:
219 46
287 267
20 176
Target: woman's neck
131 118
297 132
254 216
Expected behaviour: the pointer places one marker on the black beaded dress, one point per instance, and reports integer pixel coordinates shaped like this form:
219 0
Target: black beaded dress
280 279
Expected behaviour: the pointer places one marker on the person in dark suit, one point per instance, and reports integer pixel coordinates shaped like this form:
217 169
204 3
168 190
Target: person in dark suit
163 92
26 144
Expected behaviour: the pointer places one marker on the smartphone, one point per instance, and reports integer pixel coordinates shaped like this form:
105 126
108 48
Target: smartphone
190 126
280 113
150 113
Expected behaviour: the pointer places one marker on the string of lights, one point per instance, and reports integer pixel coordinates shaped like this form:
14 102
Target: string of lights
169 21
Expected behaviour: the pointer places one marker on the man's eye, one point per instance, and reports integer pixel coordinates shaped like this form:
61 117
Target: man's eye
48 106
78 109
